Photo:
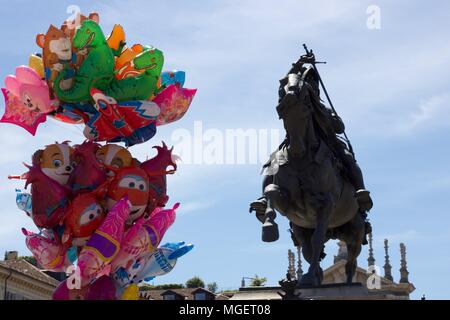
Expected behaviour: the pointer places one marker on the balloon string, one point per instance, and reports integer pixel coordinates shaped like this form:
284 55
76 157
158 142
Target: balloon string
160 173
78 130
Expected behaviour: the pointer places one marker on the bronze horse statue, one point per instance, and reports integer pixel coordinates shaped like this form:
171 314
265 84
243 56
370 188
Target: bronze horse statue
306 182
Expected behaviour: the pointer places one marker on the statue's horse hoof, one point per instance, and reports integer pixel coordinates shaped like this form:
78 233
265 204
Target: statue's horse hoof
270 232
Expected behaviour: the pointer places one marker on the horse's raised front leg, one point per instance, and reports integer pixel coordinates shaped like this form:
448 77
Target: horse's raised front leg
313 277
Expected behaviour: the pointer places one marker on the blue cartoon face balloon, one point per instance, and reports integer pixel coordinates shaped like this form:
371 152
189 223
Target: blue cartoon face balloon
158 263
163 260
173 77
23 201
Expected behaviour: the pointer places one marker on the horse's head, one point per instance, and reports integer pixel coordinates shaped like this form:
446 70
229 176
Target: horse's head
295 109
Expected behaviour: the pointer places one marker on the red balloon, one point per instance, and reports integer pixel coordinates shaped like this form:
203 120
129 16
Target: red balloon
49 198
88 173
133 183
83 217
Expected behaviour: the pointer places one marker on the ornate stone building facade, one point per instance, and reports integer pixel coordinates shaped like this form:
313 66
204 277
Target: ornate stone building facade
20 280
369 284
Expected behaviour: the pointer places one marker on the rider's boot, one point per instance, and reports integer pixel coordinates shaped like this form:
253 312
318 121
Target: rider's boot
362 194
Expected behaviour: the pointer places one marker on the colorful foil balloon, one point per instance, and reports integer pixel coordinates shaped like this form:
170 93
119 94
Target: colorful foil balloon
97 206
102 288
77 58
163 260
118 121
157 168
23 201
144 236
172 78
88 173
27 99
35 62
82 218
130 182
49 198
104 244
56 161
49 253
174 102
158 263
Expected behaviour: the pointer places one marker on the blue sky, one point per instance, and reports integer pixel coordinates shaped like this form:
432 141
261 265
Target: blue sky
389 85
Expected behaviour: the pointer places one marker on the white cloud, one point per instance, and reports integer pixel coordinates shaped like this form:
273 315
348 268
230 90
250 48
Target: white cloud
402 236
433 113
192 207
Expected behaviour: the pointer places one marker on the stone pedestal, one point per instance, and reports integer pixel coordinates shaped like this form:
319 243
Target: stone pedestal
333 291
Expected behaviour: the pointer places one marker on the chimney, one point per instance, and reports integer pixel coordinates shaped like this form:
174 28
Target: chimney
11 255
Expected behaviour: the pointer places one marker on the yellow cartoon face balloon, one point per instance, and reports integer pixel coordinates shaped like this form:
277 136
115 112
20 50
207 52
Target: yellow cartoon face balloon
130 293
35 62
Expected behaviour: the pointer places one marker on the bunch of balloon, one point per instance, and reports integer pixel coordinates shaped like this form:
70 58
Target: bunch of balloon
101 214
81 76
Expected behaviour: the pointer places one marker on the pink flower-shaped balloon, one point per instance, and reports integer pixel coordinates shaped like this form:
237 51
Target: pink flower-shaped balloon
27 99
173 101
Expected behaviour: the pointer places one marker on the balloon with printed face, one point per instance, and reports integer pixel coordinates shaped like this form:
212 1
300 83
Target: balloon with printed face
147 267
83 217
56 161
57 55
36 63
174 102
124 62
131 292
113 155
49 198
27 99
49 252
104 243
144 236
173 77
88 173
131 182
23 201
120 121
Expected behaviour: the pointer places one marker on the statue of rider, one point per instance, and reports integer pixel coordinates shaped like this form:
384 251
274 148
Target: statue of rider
329 126
329 123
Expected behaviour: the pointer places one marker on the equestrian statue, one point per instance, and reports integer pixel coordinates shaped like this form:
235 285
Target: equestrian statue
313 178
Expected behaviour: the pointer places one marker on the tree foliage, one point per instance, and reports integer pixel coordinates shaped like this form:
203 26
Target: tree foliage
145 287
30 259
212 286
257 281
195 282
